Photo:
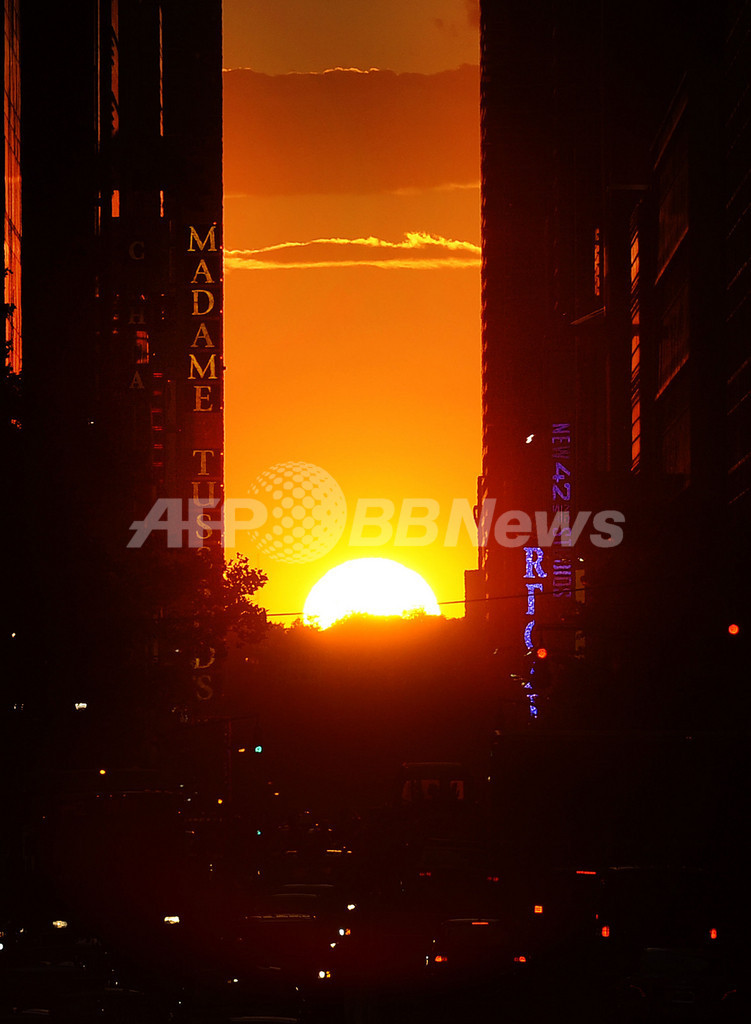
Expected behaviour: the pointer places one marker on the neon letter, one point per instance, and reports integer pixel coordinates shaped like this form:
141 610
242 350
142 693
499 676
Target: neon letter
209 368
534 567
210 302
531 588
210 237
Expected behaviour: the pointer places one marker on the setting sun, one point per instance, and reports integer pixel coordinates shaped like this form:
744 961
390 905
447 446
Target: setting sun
372 586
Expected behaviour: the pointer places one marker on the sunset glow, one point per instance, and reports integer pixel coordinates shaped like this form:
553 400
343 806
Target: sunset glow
376 410
352 265
371 586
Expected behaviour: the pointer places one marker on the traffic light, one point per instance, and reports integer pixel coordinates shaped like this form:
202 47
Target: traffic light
539 670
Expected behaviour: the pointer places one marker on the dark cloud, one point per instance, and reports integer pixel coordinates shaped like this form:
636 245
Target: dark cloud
351 131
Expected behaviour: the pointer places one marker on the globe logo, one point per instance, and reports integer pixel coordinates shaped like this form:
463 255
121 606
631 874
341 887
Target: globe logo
307 512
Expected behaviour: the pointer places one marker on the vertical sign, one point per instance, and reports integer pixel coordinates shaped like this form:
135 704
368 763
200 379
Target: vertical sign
203 375
562 485
203 419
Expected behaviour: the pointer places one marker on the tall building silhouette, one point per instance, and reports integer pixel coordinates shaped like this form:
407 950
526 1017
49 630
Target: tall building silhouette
121 134
737 245
615 341
123 208
12 226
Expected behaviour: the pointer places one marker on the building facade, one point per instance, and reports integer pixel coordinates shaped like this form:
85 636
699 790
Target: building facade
123 134
615 344
12 225
123 311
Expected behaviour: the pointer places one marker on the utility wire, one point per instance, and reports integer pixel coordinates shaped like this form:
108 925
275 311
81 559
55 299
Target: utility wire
462 600
518 596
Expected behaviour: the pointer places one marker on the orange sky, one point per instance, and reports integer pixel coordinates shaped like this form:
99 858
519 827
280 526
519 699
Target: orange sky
352 287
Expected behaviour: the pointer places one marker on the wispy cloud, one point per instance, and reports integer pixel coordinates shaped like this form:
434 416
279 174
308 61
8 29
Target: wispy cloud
417 251
411 190
349 130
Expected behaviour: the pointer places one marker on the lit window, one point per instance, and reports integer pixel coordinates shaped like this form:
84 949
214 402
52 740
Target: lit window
635 353
597 264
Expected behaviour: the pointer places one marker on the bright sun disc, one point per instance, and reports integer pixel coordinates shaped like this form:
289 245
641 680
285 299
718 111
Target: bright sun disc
371 586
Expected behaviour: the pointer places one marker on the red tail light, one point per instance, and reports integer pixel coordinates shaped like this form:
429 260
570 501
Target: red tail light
713 933
520 959
605 931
